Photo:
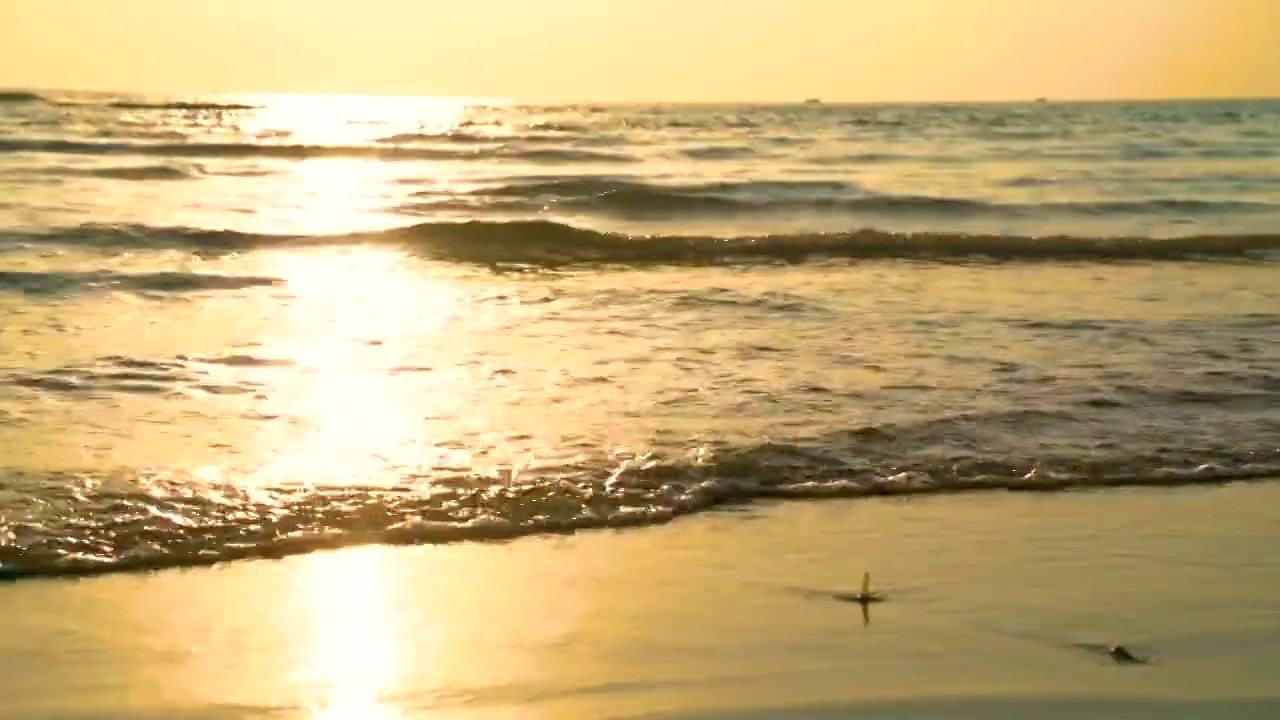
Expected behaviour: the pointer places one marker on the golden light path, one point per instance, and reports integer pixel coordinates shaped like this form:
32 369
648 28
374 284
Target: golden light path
353 314
332 195
354 647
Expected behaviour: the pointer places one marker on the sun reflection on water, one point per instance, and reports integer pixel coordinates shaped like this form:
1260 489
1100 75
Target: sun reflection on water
327 195
359 327
352 666
354 119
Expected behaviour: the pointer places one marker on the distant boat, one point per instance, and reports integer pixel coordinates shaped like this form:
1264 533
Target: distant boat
812 101
1040 100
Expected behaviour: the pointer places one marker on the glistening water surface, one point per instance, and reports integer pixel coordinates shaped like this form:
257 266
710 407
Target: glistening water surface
256 326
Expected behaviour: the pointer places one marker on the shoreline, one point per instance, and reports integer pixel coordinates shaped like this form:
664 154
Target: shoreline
720 615
442 534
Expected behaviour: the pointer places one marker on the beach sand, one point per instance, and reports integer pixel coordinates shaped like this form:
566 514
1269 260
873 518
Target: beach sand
720 615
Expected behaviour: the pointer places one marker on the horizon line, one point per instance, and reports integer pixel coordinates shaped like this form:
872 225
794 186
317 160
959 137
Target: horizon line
800 100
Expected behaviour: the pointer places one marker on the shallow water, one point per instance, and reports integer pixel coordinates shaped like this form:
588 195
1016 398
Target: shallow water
262 326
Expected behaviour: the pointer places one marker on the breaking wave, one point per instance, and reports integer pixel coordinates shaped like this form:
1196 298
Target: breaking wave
91 524
538 242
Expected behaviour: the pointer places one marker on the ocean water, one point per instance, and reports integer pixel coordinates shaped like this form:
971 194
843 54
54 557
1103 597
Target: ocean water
237 327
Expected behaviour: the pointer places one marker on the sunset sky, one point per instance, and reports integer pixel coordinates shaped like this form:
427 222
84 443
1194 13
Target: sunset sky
855 50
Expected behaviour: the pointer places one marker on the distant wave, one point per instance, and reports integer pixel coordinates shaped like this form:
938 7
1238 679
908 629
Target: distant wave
138 173
719 152
147 522
27 96
166 282
497 141
548 243
859 158
190 106
592 147
1235 151
412 138
587 185
656 204
635 198
300 152
20 96
145 172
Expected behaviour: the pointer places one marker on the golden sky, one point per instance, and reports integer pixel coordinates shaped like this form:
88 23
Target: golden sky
855 50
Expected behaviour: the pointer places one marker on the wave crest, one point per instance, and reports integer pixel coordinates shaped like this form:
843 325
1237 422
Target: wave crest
541 242
630 197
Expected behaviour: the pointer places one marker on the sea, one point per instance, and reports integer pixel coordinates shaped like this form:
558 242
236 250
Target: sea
253 326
